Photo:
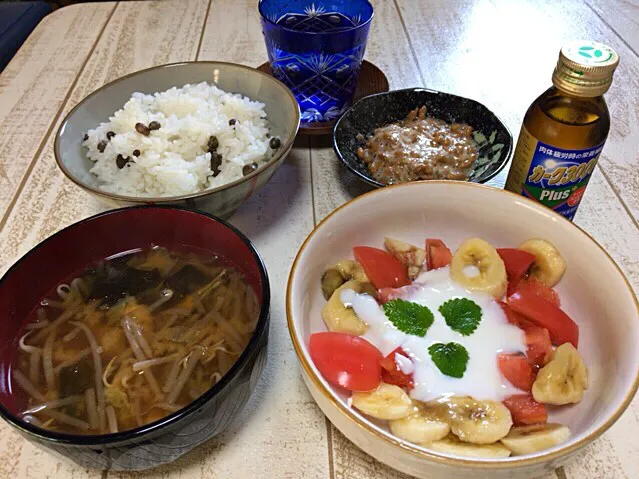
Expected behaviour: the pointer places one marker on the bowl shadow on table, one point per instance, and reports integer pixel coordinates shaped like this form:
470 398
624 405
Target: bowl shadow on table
268 207
206 452
348 182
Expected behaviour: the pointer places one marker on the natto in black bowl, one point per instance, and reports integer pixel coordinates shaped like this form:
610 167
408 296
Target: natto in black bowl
494 140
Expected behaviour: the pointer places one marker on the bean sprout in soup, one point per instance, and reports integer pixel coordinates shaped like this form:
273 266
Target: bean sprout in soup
131 340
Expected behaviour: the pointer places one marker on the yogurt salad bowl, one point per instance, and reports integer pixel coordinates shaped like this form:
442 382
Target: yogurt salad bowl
444 338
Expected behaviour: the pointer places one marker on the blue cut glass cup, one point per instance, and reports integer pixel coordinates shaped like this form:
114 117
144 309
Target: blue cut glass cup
316 48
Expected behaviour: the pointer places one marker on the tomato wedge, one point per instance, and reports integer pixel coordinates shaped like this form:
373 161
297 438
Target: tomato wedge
384 295
532 286
537 338
562 329
346 360
517 370
515 318
437 254
517 263
383 269
525 410
539 346
392 374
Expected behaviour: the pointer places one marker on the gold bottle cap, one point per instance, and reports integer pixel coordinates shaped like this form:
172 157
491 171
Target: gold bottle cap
585 68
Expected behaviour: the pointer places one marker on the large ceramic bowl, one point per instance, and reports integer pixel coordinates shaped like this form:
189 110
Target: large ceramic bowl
593 290
71 250
280 105
494 141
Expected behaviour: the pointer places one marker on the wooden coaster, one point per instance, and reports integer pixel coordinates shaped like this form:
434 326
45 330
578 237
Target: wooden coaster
371 80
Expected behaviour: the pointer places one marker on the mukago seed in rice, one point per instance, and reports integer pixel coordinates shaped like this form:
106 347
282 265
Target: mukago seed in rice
174 159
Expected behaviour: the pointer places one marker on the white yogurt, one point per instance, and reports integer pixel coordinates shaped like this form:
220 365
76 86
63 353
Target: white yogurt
404 364
482 379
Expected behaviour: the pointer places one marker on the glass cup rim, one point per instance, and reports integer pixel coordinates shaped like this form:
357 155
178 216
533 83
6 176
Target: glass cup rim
316 34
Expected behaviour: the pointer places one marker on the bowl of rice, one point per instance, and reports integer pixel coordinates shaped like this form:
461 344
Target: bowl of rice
205 135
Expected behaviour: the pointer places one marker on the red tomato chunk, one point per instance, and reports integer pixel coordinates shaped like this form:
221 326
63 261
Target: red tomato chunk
537 338
517 263
382 268
346 360
531 286
437 254
561 327
515 318
517 370
525 410
392 374
539 346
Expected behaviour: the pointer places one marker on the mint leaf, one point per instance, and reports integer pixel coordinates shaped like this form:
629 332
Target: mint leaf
451 358
462 315
409 318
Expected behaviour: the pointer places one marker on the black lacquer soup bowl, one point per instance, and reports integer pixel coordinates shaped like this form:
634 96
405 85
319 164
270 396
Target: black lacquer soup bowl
71 250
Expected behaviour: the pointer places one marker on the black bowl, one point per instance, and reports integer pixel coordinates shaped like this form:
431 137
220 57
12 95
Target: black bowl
374 111
71 250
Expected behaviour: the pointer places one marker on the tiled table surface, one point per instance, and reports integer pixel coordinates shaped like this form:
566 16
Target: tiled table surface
500 52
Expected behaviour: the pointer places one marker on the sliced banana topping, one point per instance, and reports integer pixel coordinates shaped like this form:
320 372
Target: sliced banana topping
385 402
423 425
339 273
409 255
531 439
491 273
563 380
549 266
452 445
341 319
478 422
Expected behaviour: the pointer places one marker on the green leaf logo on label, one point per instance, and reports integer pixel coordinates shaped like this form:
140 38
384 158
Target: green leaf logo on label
596 55
583 51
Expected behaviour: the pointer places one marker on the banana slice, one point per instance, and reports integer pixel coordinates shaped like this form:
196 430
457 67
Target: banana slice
452 445
478 422
339 273
530 439
386 402
339 318
423 425
490 279
563 380
549 266
410 256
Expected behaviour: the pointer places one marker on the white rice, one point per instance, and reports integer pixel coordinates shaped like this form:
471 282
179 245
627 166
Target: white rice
174 159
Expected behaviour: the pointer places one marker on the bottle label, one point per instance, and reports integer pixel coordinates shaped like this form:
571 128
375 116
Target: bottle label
554 177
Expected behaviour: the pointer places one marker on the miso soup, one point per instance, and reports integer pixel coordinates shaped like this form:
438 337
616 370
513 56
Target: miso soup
131 340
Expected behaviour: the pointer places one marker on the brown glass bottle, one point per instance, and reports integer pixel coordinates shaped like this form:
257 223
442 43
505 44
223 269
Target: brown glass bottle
564 130
568 122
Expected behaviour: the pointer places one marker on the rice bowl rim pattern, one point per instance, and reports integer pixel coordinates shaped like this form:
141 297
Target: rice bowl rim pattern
283 150
138 432
401 446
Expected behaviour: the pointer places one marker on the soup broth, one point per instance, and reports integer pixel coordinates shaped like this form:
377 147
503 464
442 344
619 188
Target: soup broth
131 340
